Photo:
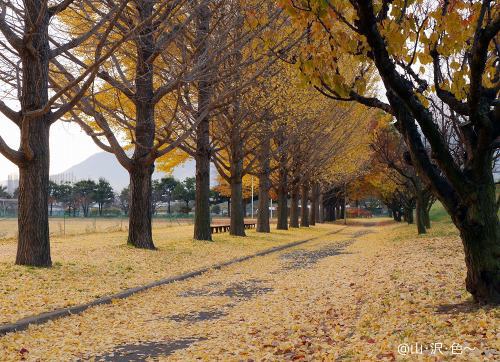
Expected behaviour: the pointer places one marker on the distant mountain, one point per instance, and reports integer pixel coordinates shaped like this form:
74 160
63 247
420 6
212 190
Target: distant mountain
105 165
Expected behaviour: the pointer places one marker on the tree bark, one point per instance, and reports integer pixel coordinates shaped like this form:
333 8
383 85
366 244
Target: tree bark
282 223
140 217
202 197
294 207
409 215
263 212
237 224
33 247
321 206
396 214
427 204
314 215
304 211
480 233
420 214
140 214
202 229
264 186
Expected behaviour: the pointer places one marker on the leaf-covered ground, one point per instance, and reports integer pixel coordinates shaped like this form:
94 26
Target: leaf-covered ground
354 295
90 266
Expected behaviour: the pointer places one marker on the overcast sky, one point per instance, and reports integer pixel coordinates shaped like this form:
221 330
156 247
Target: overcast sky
68 146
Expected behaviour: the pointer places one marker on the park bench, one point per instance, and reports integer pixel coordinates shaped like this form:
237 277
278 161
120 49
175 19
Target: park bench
225 228
219 228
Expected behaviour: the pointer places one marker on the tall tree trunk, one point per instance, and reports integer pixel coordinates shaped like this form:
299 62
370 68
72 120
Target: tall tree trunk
329 211
140 218
202 229
294 207
263 212
321 207
396 214
202 197
480 231
427 218
304 211
140 214
33 246
237 223
409 215
282 223
426 208
420 214
312 213
314 217
264 186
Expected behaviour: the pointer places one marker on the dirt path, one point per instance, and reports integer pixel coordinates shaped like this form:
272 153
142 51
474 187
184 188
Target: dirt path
340 297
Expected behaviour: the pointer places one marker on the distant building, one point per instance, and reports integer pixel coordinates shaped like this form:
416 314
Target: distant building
12 183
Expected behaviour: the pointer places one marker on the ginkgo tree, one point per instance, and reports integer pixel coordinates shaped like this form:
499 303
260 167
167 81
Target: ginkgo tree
32 39
420 49
135 110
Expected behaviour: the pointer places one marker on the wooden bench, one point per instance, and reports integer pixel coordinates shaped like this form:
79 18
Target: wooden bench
215 229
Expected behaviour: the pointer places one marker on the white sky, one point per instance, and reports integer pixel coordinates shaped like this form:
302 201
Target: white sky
68 146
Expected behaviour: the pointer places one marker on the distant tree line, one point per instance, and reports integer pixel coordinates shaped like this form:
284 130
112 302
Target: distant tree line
81 195
78 197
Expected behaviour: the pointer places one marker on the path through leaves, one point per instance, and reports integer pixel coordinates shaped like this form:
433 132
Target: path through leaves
353 295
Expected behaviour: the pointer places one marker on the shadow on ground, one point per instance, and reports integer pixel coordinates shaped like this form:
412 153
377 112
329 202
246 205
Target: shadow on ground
244 290
459 308
302 258
141 352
